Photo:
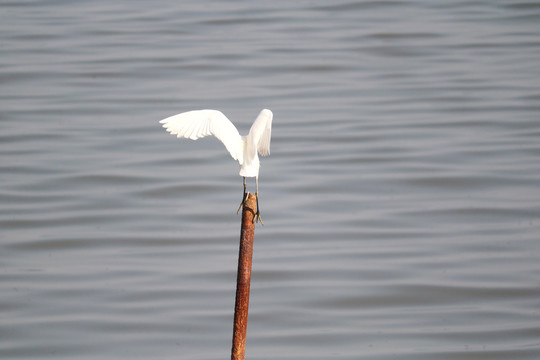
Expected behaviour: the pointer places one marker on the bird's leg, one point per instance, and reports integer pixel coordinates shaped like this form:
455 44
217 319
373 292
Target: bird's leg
257 216
244 197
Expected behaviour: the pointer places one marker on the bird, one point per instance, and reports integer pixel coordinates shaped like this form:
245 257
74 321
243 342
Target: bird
197 124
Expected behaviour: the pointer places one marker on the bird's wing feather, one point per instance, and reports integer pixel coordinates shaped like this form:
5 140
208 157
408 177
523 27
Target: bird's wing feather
261 132
200 123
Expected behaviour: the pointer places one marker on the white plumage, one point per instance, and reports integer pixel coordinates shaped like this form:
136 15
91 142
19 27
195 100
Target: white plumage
245 149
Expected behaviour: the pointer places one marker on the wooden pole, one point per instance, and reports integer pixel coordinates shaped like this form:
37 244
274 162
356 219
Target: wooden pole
243 278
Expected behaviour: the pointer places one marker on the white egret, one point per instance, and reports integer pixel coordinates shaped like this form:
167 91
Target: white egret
200 123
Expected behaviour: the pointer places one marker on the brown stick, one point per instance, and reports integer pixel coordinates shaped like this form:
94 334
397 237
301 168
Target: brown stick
243 279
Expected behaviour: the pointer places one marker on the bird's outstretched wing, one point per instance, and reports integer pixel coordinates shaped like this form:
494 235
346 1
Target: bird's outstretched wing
200 123
261 132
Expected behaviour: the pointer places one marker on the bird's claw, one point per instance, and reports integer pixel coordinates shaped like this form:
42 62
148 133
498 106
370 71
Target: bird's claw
257 217
244 199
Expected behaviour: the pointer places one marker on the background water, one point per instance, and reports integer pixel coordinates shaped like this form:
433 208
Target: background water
401 200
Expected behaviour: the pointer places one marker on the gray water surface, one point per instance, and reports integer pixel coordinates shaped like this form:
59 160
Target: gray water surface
401 200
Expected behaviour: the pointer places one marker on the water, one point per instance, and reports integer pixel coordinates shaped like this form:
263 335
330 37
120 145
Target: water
401 201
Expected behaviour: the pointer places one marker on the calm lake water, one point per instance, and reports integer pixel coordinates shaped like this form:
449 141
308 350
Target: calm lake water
401 201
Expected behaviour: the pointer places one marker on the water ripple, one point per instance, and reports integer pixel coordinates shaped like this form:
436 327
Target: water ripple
400 202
